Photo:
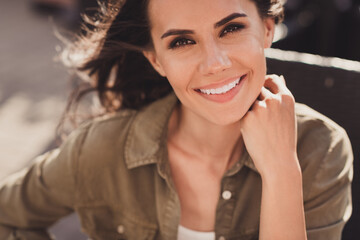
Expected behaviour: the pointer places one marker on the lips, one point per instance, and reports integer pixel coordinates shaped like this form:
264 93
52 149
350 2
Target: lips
221 90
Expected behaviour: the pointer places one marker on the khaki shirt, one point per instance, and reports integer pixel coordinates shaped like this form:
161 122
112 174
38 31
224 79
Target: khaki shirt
114 172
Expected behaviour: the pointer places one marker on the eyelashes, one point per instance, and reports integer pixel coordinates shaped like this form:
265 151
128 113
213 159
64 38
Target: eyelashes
180 42
183 41
232 28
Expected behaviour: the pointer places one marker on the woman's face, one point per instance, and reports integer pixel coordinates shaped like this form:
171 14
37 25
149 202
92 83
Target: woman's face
212 53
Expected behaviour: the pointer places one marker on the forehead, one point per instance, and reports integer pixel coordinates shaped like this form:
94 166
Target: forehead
186 13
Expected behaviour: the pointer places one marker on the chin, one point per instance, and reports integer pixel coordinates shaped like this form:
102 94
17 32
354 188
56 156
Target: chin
226 119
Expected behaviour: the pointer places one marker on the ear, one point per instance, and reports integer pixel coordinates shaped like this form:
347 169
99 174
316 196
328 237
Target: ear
269 25
152 58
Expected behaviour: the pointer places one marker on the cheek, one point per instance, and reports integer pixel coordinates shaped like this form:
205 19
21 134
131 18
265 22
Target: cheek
248 46
249 55
178 71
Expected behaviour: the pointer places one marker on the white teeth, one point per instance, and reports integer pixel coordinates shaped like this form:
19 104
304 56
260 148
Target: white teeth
222 89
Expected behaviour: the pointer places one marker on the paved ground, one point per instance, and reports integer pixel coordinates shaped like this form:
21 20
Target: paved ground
32 85
33 90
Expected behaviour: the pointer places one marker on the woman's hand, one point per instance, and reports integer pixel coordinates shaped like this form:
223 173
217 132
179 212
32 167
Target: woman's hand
269 129
270 132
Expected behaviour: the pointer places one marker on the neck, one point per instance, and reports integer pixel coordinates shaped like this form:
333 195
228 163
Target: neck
204 140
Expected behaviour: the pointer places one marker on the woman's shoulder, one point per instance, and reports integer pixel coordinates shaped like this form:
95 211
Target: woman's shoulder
112 123
101 129
108 124
324 150
111 132
317 132
320 127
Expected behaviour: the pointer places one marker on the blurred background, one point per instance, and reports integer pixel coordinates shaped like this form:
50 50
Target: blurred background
34 87
324 27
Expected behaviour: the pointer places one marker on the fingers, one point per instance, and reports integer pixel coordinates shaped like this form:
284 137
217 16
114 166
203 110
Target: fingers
264 93
272 84
260 101
276 84
274 90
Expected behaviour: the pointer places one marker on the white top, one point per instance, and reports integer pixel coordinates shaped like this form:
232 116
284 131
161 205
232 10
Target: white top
188 234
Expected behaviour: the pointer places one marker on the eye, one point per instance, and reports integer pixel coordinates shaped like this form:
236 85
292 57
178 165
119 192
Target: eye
180 42
232 28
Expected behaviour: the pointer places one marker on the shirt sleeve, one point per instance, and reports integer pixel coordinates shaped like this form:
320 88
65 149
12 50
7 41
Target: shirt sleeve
35 198
328 203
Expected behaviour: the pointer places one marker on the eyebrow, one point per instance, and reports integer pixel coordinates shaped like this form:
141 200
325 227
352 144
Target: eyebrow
216 25
228 19
176 32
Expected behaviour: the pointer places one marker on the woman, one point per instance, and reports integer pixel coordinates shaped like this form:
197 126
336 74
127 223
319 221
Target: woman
228 156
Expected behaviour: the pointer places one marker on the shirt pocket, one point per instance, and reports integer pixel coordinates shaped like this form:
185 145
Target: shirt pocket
102 223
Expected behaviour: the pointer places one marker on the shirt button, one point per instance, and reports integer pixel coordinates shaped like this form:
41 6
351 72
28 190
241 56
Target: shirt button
226 195
121 229
222 238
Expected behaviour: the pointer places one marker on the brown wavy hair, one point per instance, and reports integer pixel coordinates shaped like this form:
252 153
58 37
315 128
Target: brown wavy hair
108 55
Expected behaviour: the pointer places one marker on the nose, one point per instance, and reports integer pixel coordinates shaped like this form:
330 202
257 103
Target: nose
215 59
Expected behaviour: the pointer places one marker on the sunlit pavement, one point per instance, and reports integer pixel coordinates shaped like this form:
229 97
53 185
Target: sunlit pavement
33 91
33 88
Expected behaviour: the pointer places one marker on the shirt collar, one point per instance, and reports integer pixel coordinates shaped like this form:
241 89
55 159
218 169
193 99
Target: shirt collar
245 160
147 136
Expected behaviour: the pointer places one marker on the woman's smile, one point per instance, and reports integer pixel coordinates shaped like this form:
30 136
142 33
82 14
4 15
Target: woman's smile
224 91
215 62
